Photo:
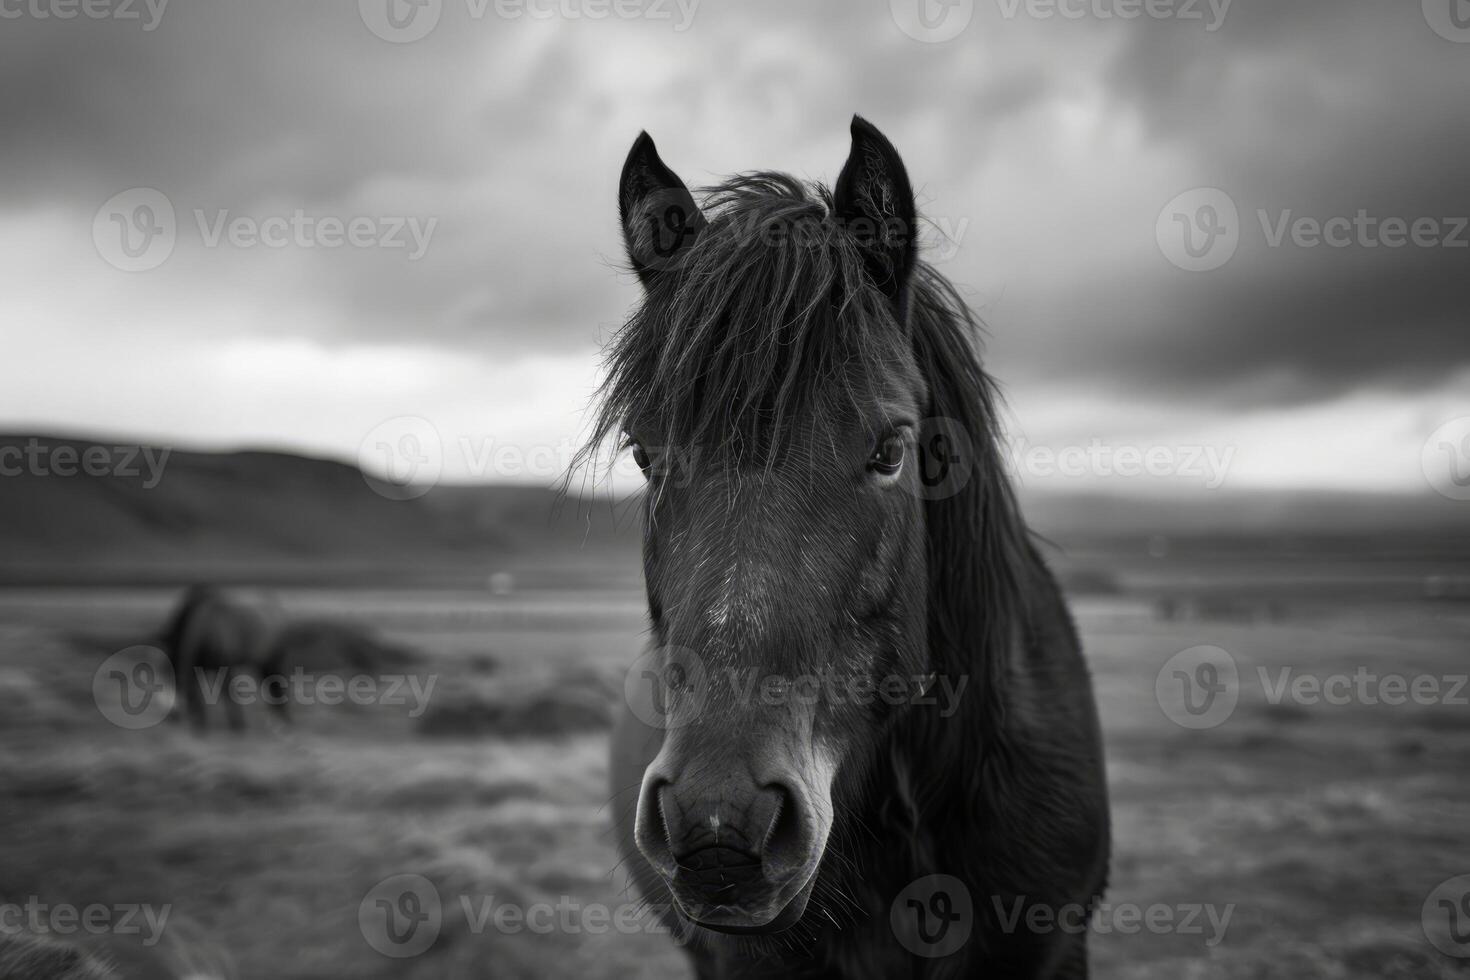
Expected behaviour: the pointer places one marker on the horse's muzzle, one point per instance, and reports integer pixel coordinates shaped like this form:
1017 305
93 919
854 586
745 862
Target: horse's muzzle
738 856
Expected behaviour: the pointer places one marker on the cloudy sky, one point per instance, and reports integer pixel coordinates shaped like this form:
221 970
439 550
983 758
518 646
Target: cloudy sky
393 208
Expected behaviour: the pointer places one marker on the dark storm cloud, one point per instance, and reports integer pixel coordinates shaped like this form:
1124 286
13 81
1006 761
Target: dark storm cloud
510 133
227 100
1321 110
1249 332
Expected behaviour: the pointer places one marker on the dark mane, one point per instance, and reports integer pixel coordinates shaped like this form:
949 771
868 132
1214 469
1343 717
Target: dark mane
981 558
774 261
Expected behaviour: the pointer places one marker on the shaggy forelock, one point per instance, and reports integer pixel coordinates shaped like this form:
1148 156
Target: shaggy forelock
768 319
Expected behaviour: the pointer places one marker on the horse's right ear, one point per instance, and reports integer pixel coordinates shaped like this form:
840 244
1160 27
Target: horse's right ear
873 200
660 218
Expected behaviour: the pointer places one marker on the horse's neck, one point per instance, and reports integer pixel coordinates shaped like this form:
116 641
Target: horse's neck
997 663
996 757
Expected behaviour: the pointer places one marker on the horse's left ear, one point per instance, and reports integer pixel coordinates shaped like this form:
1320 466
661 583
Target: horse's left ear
660 218
875 204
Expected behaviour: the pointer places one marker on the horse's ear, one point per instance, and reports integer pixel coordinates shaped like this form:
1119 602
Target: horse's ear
875 203
660 218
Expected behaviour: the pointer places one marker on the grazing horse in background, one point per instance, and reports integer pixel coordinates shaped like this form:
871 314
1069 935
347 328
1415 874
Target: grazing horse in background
216 634
865 675
32 958
26 956
224 633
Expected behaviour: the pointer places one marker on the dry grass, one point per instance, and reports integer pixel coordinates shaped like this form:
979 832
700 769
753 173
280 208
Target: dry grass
1324 827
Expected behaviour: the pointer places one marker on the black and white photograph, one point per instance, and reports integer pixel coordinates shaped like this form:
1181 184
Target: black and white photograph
526 489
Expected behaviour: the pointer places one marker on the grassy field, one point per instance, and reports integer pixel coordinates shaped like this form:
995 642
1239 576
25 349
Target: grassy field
1321 828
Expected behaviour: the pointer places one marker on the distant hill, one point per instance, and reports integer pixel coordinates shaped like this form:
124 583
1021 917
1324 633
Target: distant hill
250 514
1259 522
268 515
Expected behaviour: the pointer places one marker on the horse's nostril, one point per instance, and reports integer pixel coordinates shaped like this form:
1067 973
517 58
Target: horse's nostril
784 849
652 828
661 820
656 791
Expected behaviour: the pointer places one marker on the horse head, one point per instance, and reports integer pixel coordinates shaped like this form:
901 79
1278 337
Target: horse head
771 388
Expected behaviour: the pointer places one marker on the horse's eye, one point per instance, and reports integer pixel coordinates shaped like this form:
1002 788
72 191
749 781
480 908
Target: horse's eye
640 455
887 458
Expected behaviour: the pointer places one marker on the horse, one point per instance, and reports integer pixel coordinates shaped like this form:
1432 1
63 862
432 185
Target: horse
232 633
826 511
27 956
23 955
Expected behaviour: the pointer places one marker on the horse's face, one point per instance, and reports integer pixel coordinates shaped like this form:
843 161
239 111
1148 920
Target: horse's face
787 593
790 610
